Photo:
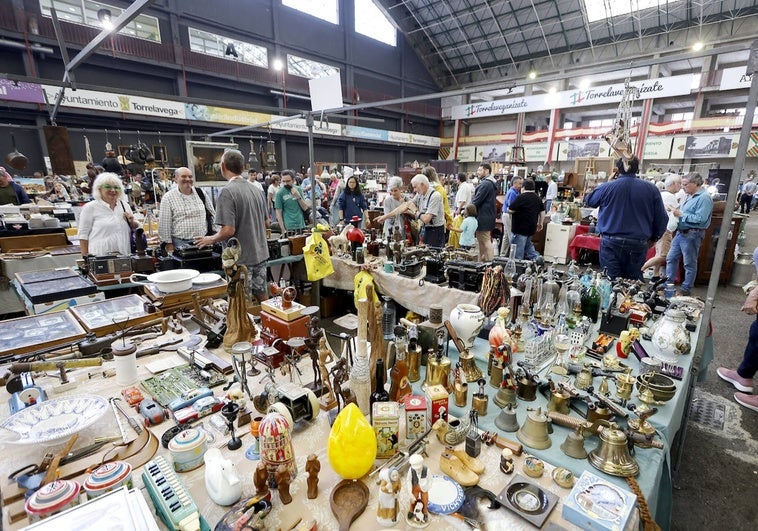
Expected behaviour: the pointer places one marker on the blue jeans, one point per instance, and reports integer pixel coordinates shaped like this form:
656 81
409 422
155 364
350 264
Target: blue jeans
685 246
548 204
749 365
524 247
622 257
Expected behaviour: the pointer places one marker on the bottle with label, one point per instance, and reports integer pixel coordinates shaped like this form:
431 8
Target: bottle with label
380 394
400 386
591 300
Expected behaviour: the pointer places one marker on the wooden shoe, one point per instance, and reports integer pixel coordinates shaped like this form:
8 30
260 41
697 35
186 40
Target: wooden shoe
472 463
454 467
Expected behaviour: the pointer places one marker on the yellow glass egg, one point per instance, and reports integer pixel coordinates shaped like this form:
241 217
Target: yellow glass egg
352 444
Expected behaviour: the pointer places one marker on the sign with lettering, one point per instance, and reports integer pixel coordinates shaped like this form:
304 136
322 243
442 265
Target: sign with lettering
735 78
649 88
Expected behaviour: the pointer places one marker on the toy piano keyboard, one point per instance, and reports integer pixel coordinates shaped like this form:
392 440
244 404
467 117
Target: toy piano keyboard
171 498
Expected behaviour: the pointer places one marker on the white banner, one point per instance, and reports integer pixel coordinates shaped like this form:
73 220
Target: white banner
466 153
88 99
657 147
735 78
319 127
650 88
536 152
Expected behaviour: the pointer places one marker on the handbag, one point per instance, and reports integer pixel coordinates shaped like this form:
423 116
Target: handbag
133 235
210 231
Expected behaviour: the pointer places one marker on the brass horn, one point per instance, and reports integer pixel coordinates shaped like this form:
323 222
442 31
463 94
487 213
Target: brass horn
612 454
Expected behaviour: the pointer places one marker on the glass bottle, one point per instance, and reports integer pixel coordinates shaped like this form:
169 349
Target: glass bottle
380 394
606 288
373 244
591 300
389 315
510 266
400 386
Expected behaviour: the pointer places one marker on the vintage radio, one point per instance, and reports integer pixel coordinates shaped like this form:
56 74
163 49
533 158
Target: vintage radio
110 265
466 276
435 270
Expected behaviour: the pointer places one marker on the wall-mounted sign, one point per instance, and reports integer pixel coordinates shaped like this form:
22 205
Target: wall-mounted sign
735 78
657 148
466 153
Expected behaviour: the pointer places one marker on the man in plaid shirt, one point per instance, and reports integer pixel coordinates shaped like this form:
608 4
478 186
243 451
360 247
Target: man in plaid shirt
183 212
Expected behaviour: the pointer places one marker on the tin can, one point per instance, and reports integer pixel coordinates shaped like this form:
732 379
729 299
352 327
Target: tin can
437 403
416 421
386 421
670 290
188 449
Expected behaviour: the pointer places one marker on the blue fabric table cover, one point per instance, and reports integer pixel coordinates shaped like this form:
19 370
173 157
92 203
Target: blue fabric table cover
655 472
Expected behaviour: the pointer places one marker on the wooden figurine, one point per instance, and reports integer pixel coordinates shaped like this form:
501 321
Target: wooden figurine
283 483
325 355
260 479
312 467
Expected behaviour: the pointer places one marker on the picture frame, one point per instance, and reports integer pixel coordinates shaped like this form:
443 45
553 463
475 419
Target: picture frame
123 151
205 161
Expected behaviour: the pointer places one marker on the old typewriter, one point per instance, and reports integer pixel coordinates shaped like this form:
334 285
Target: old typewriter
192 257
171 498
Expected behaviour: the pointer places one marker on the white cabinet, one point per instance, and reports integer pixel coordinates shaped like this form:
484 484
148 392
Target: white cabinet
557 240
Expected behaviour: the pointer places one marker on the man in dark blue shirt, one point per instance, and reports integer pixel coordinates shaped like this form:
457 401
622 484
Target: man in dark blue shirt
631 219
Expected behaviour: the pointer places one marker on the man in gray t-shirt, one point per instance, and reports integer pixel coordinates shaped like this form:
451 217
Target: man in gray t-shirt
241 212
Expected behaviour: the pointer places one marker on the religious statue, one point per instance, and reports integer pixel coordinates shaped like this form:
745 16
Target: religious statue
312 467
260 479
283 479
419 481
389 486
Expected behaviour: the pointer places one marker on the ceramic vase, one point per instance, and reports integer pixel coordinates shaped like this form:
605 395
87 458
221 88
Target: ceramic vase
669 337
467 320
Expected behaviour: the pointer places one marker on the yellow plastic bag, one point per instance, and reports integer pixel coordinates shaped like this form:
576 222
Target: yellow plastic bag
361 280
318 263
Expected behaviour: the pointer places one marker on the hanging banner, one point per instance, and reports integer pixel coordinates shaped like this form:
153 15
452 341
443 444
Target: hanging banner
604 95
704 146
495 153
367 133
657 148
735 78
20 91
300 125
467 154
572 149
536 152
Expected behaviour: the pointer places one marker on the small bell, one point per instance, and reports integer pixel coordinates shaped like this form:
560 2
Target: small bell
534 432
612 454
505 396
507 420
584 379
573 445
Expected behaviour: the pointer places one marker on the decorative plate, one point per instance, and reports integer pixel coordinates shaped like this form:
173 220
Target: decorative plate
206 278
445 495
55 419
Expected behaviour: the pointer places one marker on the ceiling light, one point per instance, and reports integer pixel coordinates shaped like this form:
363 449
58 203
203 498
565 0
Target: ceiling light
104 16
278 65
552 90
532 74
584 84
698 46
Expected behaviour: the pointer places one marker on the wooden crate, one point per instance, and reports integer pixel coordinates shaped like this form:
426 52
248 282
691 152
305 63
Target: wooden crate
11 244
98 317
35 332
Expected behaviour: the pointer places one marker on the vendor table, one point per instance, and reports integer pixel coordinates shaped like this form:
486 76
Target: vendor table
411 293
309 437
592 242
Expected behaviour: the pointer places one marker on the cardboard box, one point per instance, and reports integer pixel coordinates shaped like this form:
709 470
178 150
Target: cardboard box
386 421
595 504
437 403
60 305
416 421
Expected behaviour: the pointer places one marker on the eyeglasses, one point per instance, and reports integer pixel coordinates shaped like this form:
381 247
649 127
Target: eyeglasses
109 187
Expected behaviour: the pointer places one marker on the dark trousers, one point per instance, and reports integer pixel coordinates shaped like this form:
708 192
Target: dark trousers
749 365
745 200
622 257
434 236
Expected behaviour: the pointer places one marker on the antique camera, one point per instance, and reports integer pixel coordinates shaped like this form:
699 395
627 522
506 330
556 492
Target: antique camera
110 265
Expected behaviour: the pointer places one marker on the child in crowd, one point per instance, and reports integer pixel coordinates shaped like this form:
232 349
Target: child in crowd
468 228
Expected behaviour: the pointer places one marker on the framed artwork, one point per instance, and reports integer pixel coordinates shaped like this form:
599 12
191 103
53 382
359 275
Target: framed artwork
205 161
160 152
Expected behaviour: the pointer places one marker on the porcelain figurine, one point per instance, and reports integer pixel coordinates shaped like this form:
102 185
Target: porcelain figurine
221 480
312 467
419 481
389 486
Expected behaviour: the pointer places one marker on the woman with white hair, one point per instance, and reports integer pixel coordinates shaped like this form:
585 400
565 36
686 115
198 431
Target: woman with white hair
106 222
391 202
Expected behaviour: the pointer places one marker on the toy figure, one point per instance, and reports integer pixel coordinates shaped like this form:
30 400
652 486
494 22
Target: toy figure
260 479
312 467
283 483
325 356
389 487
419 479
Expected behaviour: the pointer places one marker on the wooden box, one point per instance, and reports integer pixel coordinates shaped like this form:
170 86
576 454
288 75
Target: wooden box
436 403
386 421
99 317
416 421
28 334
173 301
10 244
274 307
285 329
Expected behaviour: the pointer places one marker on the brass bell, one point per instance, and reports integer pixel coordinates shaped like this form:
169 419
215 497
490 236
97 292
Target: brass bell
496 375
573 445
612 454
534 432
470 370
505 396
584 379
507 420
